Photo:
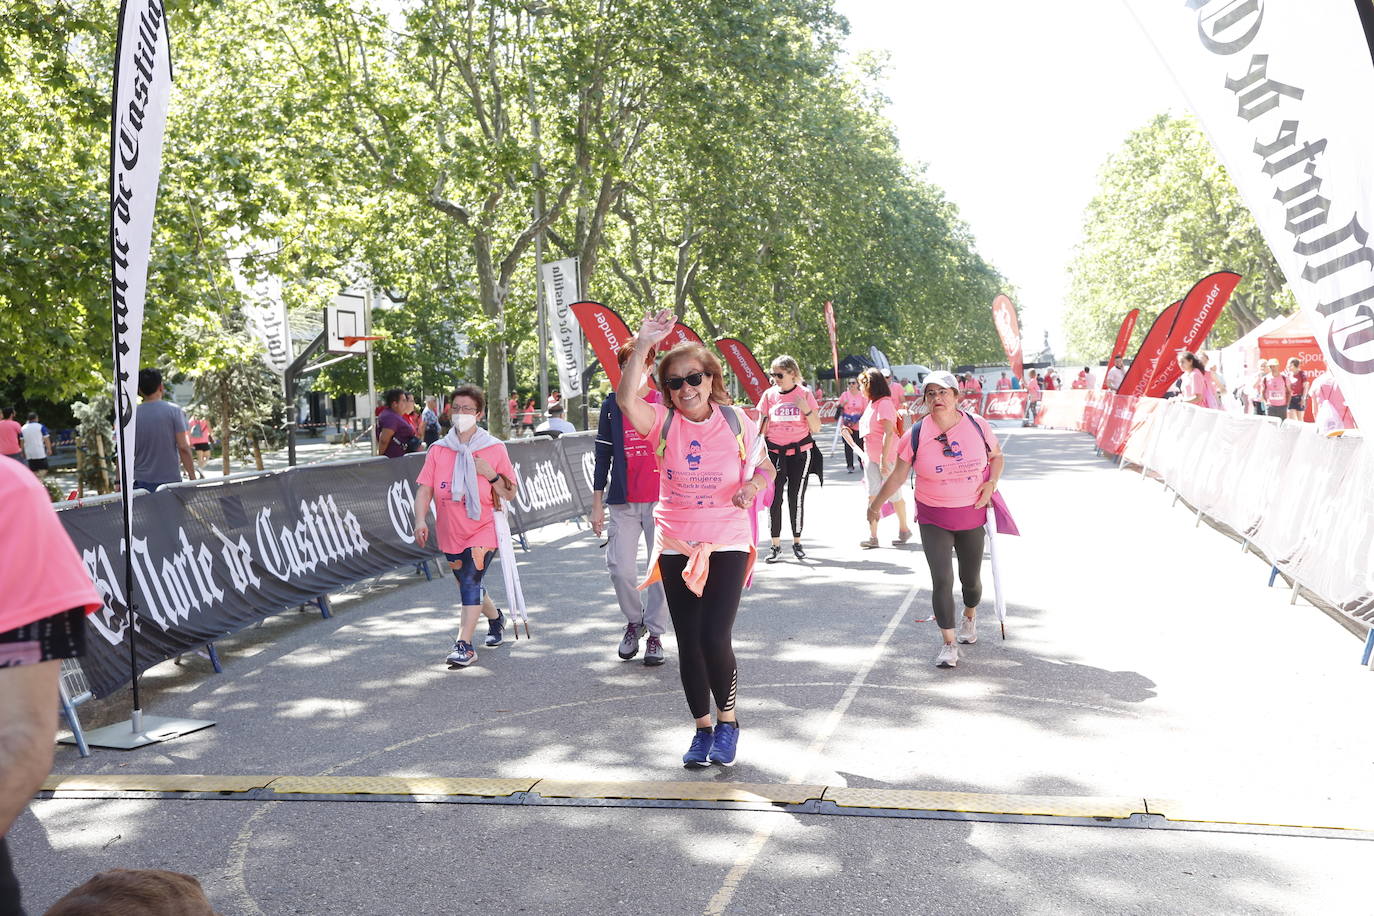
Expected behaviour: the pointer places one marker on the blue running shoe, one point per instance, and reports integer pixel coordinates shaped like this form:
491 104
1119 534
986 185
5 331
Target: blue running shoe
462 654
496 628
697 754
723 744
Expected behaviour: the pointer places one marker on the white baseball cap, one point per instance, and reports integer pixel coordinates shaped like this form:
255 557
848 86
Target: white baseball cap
943 379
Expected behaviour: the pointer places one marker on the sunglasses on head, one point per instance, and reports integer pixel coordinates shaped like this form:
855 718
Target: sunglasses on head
943 439
693 379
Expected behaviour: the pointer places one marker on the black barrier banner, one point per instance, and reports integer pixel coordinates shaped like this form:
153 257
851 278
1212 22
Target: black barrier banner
210 560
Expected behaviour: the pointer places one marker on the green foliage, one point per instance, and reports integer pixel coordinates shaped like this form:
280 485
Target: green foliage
95 443
1166 214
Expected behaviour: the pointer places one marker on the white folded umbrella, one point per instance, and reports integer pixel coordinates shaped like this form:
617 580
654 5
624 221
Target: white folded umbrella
510 574
999 602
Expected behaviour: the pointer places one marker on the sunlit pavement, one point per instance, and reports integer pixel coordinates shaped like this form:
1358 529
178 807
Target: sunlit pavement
1144 658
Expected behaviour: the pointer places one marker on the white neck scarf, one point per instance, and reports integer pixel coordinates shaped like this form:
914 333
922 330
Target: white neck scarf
465 468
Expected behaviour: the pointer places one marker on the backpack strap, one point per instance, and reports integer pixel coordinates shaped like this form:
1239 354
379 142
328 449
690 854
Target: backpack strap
731 419
916 435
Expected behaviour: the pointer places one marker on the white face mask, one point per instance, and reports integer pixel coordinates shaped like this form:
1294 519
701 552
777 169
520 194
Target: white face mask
466 421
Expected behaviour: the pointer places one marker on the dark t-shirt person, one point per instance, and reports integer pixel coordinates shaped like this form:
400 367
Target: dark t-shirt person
401 432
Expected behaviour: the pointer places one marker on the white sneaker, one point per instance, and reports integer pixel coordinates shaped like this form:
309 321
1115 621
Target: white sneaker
948 657
968 630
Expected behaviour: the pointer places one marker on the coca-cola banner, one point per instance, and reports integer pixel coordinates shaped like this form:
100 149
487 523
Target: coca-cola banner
746 368
1006 405
1123 340
1009 329
1151 352
209 560
1201 309
605 331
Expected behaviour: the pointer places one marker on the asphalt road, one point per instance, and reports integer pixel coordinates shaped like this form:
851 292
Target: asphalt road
1144 657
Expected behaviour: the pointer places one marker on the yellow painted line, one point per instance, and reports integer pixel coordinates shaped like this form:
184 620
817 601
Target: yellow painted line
154 782
1267 812
399 785
713 790
968 802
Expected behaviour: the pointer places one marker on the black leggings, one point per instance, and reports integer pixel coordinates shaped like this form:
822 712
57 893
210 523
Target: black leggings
706 653
792 472
848 449
936 543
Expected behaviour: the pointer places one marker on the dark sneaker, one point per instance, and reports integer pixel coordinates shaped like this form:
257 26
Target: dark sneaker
723 744
497 628
798 552
629 643
653 651
462 654
773 553
697 754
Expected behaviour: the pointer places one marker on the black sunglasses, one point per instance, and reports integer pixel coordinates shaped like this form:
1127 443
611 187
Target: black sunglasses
694 380
778 374
943 439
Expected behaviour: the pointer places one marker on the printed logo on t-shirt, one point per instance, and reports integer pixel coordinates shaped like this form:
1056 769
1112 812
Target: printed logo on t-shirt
693 455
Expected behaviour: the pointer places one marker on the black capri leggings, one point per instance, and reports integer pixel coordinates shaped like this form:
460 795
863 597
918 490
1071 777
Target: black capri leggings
937 543
792 473
706 652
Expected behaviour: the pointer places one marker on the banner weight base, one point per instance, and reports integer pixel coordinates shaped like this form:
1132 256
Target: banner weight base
124 736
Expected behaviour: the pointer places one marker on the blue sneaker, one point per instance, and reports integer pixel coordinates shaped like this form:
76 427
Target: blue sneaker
496 628
697 754
462 654
723 744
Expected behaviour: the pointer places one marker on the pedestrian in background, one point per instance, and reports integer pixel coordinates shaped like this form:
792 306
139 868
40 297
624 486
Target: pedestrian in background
429 421
555 422
1193 383
852 404
467 475
958 462
713 466
1116 374
394 431
37 445
1297 388
878 432
788 417
1275 390
10 432
162 440
200 436
527 418
625 478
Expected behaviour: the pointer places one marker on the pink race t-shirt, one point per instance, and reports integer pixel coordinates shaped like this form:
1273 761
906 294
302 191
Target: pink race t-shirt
641 464
950 481
871 429
457 532
786 414
42 572
1274 390
852 403
1194 385
700 473
9 437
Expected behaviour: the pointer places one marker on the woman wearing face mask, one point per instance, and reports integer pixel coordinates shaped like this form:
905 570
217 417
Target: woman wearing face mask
713 465
469 470
788 416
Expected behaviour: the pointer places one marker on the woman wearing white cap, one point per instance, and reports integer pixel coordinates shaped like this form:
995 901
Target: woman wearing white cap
958 462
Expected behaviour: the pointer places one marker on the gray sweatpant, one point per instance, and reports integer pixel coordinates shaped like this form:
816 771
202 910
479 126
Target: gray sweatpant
629 522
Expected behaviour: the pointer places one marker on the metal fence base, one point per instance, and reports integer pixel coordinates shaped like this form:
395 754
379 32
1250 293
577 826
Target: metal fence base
122 735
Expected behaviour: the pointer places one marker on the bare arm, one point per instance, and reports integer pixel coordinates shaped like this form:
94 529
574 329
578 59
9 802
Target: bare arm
423 496
28 724
891 484
384 439
813 419
638 411
188 458
889 434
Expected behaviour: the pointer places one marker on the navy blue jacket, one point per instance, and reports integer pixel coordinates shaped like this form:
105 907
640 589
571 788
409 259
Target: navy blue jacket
610 453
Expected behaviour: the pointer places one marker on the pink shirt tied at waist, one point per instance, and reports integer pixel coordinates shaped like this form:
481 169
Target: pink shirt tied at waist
698 567
786 412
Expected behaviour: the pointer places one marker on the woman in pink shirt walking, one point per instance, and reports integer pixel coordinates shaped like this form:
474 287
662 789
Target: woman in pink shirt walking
1193 385
788 416
852 405
713 465
878 432
958 462
1275 391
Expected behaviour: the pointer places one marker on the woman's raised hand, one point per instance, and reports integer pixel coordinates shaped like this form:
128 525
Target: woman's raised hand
657 326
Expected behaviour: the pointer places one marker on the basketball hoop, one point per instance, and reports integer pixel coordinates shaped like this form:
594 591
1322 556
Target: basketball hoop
353 341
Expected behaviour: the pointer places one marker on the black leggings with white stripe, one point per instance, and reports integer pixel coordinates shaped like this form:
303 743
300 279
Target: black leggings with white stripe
704 627
791 478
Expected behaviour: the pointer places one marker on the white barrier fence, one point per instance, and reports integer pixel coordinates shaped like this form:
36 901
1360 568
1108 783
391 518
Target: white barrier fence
1305 501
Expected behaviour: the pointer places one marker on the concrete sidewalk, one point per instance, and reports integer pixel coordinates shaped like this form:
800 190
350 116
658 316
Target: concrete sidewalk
1145 659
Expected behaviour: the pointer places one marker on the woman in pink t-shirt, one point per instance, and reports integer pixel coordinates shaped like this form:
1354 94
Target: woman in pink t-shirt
9 437
713 466
1275 391
788 416
1193 385
852 405
466 474
958 462
878 432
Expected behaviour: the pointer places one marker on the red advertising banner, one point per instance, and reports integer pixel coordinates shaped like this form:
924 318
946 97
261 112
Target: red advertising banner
605 331
1123 340
1151 350
970 403
680 334
1006 405
746 368
1124 418
1201 309
834 344
1009 329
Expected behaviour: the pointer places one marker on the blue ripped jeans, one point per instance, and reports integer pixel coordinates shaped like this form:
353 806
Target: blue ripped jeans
468 575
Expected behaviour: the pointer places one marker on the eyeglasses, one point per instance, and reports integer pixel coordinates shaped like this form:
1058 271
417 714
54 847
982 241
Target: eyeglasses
943 439
693 379
778 374
473 411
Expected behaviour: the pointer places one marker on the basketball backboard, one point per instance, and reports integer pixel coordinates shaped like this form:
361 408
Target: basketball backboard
347 317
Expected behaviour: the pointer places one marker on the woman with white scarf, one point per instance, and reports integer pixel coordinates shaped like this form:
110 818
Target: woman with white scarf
468 470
